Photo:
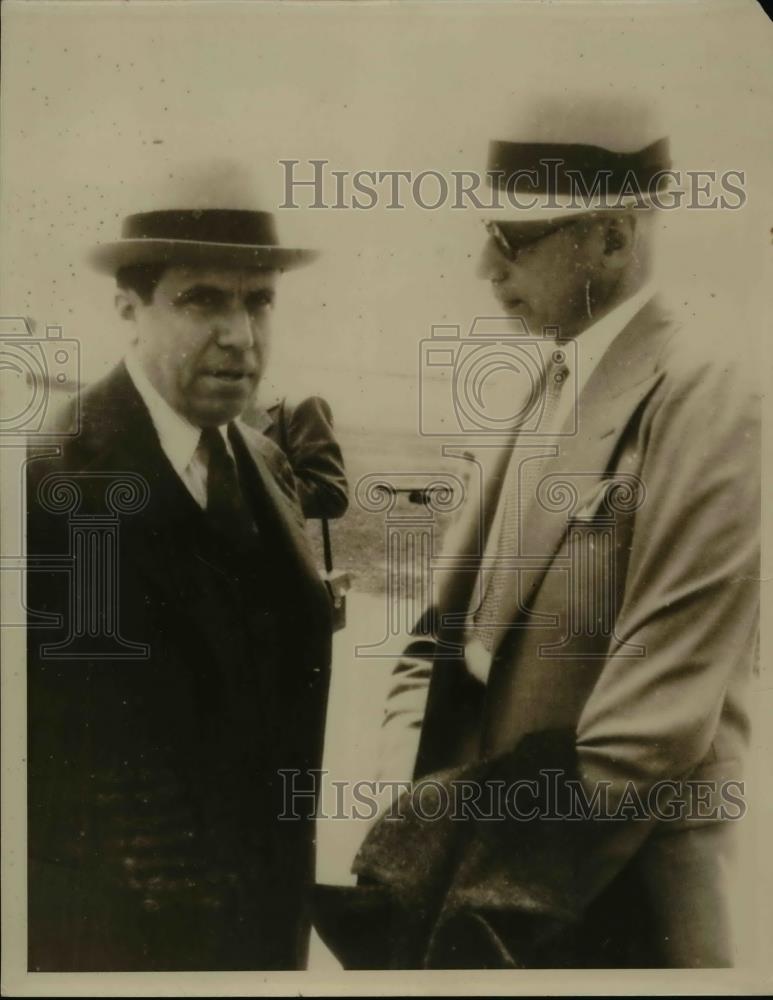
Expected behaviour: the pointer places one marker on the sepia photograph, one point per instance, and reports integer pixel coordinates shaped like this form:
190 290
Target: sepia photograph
383 527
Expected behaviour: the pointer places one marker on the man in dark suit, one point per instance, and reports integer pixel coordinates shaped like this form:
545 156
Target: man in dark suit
179 654
593 626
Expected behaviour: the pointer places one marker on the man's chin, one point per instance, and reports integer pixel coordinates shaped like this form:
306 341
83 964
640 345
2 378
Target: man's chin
520 316
536 326
217 413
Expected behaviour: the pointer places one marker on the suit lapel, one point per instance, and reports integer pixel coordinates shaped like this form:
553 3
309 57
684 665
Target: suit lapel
118 436
458 567
623 378
291 531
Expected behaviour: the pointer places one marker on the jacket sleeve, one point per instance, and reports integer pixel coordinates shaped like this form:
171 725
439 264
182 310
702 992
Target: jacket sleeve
407 697
692 589
316 458
404 712
691 601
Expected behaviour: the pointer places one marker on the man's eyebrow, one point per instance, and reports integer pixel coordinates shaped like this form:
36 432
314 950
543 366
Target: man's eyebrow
201 287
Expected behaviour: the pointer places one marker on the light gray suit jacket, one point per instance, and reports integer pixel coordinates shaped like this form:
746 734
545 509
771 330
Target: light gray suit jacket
638 639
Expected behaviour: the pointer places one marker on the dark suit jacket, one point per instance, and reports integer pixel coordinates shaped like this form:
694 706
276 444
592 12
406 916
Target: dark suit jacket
181 676
634 673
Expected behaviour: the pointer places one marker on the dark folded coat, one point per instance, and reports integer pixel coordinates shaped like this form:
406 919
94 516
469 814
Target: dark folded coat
484 885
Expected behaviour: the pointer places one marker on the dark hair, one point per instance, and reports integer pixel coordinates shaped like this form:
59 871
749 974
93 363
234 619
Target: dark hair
141 278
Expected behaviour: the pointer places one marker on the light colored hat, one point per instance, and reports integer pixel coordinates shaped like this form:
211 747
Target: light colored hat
204 213
575 153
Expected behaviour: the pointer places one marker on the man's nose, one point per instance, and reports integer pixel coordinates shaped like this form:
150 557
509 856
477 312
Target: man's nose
236 330
492 265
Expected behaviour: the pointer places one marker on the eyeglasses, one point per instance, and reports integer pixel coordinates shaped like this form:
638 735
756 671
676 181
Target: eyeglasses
510 247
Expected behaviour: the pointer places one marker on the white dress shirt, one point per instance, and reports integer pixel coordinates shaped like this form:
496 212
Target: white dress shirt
179 438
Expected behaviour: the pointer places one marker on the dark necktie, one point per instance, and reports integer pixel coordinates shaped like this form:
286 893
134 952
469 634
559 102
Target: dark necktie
227 509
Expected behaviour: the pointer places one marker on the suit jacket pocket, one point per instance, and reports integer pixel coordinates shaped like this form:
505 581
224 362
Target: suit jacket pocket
619 493
592 502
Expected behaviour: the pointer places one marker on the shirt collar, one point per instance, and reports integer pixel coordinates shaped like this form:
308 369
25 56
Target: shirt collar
179 438
594 341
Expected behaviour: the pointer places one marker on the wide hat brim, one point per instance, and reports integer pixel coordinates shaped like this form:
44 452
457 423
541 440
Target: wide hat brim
545 209
532 181
108 258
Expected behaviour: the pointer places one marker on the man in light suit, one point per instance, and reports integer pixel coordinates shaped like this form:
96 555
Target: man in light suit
184 663
595 629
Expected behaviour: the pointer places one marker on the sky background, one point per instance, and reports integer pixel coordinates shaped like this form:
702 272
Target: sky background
98 97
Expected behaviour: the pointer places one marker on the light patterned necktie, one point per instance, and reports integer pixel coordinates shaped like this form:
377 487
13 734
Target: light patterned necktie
516 501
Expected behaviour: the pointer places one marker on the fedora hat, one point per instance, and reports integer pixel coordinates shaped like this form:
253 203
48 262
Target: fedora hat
200 214
574 153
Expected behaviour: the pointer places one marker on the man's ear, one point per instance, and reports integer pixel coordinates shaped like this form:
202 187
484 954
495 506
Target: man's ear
619 233
126 303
